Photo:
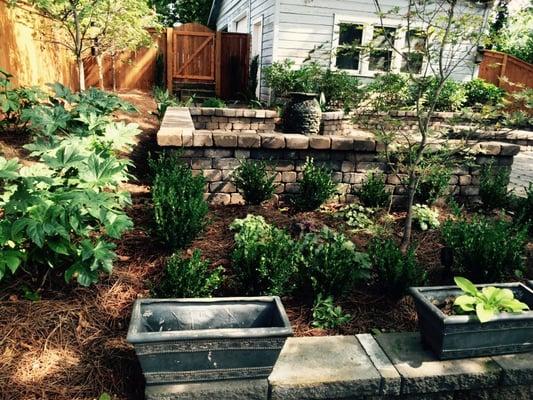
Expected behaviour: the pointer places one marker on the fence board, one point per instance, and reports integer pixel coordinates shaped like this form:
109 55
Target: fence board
234 64
506 71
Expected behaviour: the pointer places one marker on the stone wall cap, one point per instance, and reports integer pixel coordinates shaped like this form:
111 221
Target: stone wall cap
332 115
517 368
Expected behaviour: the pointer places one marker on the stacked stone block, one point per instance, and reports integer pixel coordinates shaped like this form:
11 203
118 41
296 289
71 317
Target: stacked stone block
233 119
335 123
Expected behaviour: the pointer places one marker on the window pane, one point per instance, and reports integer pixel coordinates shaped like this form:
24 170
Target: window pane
383 36
351 34
380 60
348 59
412 62
417 39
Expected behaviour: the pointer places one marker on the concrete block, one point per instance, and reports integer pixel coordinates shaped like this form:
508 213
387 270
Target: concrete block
341 143
186 139
288 177
364 145
252 389
222 187
219 199
329 367
218 153
225 139
249 140
225 163
201 163
297 142
212 175
517 368
236 198
422 373
242 154
168 137
292 188
249 113
347 166
272 140
202 139
320 142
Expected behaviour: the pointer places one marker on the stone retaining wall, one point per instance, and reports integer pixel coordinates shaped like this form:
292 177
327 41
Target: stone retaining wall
233 119
216 154
335 123
391 366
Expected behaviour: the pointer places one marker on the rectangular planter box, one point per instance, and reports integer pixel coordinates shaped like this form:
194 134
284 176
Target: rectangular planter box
197 340
459 336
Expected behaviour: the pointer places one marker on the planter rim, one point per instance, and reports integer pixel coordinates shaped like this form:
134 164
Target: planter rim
309 94
135 337
418 294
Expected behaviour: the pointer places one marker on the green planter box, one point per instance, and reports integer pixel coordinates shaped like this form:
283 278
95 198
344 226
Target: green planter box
197 340
460 336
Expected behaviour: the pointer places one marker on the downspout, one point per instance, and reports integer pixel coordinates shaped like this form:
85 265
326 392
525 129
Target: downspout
486 13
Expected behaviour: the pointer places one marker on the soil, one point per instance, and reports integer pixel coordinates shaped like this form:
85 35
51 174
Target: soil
71 344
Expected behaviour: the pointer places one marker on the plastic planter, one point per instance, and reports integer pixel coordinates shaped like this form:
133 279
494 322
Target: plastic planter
459 336
197 340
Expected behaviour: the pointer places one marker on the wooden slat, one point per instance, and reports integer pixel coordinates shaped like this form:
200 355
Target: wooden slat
170 59
506 71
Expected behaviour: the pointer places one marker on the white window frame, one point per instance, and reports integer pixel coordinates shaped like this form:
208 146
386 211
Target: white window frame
368 24
238 19
258 21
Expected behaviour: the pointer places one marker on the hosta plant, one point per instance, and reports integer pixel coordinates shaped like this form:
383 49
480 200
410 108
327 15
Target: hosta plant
426 217
327 315
487 302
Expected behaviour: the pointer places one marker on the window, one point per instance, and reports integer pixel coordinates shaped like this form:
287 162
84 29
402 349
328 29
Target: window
241 25
381 55
349 51
413 56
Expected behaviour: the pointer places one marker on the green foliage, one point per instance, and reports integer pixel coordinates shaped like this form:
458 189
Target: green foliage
493 183
253 181
330 263
517 111
61 211
264 258
396 271
479 92
182 11
487 302
341 91
426 217
13 101
214 103
178 197
524 208
358 217
316 187
516 36
163 100
486 250
326 315
433 182
388 91
189 277
451 97
283 78
373 192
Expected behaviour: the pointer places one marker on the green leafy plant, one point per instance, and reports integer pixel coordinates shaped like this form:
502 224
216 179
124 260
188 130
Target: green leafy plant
516 37
188 277
62 211
493 183
484 249
283 78
388 91
426 217
330 263
373 192
487 302
264 257
451 97
480 92
433 183
253 181
163 100
341 91
316 187
396 271
523 207
358 217
214 102
326 315
180 209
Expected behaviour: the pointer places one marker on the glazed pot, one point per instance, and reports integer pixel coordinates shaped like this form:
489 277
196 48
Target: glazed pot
198 340
460 336
302 114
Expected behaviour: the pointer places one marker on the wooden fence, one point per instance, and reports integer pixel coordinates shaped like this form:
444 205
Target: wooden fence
506 71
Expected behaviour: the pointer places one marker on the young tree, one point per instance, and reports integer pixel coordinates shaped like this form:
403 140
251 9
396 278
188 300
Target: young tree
441 36
183 11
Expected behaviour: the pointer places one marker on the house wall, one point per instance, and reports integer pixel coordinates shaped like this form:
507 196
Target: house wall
232 11
305 25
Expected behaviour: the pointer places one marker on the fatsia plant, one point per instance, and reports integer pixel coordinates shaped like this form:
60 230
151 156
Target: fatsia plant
62 210
487 302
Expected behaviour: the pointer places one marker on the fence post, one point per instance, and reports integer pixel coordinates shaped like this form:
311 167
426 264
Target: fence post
170 59
218 58
502 70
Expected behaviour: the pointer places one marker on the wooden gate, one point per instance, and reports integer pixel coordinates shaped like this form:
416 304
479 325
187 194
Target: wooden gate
198 55
506 71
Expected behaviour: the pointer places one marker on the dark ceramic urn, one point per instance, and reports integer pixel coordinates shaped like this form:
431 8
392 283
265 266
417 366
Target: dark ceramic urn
302 114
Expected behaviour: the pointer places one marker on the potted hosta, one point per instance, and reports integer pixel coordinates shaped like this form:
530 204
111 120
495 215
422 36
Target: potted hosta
195 340
302 113
470 320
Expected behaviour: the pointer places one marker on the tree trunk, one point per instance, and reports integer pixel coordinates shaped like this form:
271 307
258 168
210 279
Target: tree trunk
81 73
408 224
99 63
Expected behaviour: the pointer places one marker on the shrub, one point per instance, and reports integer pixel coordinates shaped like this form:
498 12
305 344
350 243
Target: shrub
433 184
326 315
493 183
178 200
283 78
188 277
252 180
480 92
396 271
373 192
330 263
62 211
451 97
388 91
264 258
316 187
341 91
426 217
214 103
163 100
524 208
518 111
485 250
